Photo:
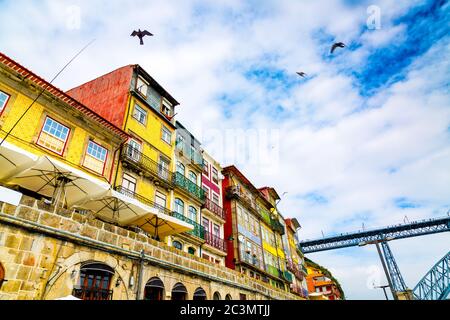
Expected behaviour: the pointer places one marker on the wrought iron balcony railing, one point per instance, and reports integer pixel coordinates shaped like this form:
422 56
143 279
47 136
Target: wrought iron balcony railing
92 294
137 159
142 199
214 208
215 241
187 185
198 231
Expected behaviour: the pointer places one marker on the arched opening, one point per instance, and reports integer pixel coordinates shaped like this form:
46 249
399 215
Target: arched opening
199 294
95 282
228 297
179 292
216 296
154 289
2 275
177 244
191 250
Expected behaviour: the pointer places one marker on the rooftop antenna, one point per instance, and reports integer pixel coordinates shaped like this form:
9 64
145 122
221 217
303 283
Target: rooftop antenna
45 88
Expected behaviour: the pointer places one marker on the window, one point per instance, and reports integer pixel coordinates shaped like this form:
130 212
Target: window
206 189
179 206
140 114
180 142
205 168
216 230
191 250
242 296
205 224
215 198
165 109
3 100
128 182
177 244
215 175
95 158
95 282
163 168
160 199
153 98
180 168
193 177
192 213
142 86
53 136
134 150
166 135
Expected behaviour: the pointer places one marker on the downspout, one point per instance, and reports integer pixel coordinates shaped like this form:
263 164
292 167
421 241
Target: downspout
139 280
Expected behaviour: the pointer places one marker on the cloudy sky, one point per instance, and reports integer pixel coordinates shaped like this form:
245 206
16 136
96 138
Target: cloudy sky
363 139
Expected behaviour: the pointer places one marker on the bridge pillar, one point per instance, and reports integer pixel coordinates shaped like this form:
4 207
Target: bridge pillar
405 295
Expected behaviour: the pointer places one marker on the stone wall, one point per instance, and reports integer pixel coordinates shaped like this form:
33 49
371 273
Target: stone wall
42 249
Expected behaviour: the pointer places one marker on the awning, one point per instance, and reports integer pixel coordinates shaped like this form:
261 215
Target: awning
116 207
13 158
160 224
199 292
55 179
179 287
155 283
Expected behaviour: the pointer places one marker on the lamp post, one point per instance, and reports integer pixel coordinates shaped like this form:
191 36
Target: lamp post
377 243
384 290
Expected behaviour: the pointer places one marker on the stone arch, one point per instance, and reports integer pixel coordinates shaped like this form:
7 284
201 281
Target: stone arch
179 292
199 294
154 289
67 272
217 296
228 297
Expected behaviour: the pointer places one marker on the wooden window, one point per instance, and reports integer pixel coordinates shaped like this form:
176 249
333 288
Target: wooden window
140 114
180 168
192 213
95 158
206 189
205 168
166 135
193 177
163 167
53 136
129 182
205 224
216 230
4 98
215 198
95 282
160 199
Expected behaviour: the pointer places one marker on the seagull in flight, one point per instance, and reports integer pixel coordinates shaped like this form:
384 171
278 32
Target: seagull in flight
141 34
337 45
302 74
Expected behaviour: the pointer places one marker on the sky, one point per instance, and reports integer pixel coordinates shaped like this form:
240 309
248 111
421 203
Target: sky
364 138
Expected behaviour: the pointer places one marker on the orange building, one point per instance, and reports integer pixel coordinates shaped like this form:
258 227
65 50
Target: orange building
320 284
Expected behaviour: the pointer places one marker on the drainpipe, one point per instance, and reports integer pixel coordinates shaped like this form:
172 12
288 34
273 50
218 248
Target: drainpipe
139 280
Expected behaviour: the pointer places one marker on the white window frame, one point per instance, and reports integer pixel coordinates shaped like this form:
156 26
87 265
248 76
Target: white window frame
129 178
140 85
166 135
95 157
64 141
137 111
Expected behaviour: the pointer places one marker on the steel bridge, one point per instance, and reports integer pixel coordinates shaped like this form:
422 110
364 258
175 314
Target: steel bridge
435 285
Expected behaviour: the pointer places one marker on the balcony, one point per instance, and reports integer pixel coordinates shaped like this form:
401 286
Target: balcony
248 258
92 294
292 267
215 241
214 208
142 199
277 226
192 154
287 276
188 186
234 192
272 270
198 231
140 162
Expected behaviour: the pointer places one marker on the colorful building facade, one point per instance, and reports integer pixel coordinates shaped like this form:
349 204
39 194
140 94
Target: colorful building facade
320 284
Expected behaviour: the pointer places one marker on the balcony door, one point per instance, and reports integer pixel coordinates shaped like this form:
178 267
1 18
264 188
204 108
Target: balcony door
134 150
95 282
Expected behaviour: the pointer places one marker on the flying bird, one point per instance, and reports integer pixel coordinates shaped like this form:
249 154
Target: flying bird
141 34
337 45
301 74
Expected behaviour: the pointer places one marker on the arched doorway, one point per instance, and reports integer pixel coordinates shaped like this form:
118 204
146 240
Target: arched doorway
179 292
228 297
199 294
95 282
2 275
216 296
154 289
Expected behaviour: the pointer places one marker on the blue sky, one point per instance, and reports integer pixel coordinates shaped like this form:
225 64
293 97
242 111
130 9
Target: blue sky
363 138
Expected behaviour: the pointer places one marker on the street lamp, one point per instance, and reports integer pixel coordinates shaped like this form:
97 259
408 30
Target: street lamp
384 289
377 243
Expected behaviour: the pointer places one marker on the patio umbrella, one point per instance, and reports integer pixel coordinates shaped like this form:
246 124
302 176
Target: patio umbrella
161 225
113 206
69 297
12 158
55 179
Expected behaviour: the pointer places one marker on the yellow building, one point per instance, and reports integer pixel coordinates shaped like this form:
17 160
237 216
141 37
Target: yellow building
55 125
131 99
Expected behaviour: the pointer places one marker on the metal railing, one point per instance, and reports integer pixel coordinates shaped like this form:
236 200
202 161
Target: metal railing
92 293
195 156
272 270
189 186
137 158
287 275
142 199
215 241
214 208
250 259
198 231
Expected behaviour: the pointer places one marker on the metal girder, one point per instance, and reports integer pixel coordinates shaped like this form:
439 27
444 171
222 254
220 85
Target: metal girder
413 229
396 277
435 285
